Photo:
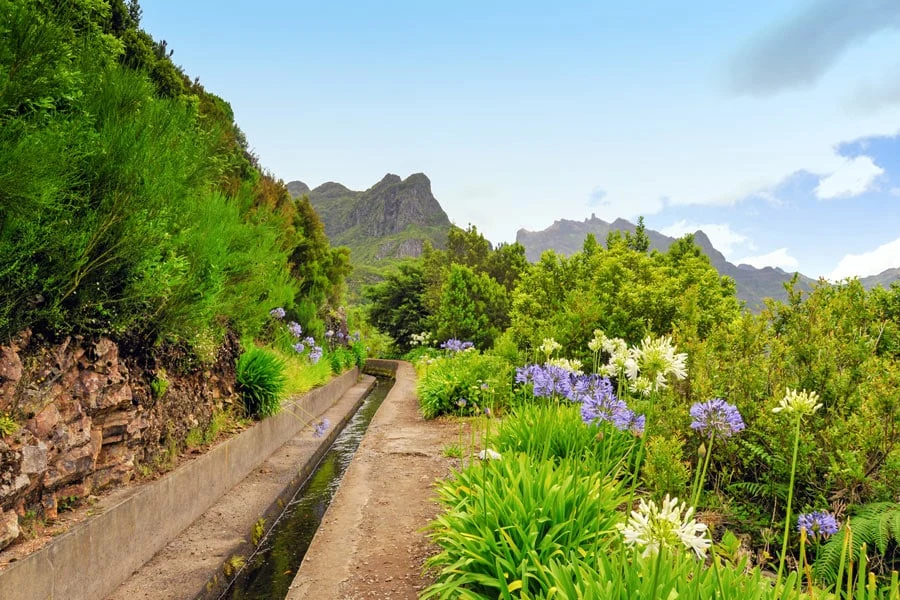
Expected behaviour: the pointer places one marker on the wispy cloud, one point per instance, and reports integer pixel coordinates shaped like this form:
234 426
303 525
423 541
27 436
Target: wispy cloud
856 176
798 51
596 197
886 256
722 236
874 96
777 258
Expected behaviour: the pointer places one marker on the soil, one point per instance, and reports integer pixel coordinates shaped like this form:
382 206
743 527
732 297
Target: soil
371 542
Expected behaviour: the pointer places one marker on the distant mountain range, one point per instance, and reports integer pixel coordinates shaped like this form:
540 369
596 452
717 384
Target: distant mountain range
391 220
395 217
753 284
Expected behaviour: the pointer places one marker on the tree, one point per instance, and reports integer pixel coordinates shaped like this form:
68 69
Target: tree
396 305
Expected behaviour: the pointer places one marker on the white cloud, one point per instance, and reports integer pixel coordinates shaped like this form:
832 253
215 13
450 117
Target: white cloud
895 191
886 256
854 177
776 258
722 236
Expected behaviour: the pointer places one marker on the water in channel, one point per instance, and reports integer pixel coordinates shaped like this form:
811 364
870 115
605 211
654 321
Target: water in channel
269 572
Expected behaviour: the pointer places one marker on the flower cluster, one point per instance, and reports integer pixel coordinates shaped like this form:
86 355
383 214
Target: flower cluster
599 403
573 365
595 393
455 345
299 348
315 354
800 403
668 526
419 339
549 347
647 367
320 428
295 329
716 418
277 313
655 361
818 524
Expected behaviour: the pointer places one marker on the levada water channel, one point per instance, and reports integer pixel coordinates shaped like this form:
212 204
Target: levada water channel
269 571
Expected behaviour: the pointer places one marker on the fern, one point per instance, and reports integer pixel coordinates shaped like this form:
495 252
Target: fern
761 453
876 525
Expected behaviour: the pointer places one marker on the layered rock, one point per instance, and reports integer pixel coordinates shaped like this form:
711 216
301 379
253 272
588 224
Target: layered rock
90 416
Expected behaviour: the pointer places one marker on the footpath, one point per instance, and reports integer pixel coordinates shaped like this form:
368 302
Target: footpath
371 543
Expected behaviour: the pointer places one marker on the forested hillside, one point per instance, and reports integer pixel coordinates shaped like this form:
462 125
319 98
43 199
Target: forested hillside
129 203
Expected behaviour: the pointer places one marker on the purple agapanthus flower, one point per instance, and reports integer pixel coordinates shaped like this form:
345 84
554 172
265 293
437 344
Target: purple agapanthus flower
329 333
716 418
819 524
299 347
525 375
455 345
315 354
320 428
461 402
602 405
550 380
628 420
309 341
295 329
278 313
586 386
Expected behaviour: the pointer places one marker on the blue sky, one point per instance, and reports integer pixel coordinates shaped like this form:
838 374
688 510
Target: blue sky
774 126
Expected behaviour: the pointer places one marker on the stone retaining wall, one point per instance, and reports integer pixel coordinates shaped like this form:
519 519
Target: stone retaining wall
89 561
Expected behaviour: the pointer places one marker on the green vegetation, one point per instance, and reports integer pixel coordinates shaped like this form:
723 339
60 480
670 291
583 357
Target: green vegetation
131 204
261 380
640 367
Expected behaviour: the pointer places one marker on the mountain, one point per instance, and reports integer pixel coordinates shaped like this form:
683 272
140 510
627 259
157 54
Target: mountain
567 237
884 279
391 220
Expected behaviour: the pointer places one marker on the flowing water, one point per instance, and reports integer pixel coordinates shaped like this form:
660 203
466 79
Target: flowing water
270 570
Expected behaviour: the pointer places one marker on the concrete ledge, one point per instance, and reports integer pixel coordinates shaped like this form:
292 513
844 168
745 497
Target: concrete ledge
92 559
379 366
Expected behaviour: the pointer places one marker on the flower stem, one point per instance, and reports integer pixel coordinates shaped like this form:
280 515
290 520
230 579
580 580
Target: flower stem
787 518
695 498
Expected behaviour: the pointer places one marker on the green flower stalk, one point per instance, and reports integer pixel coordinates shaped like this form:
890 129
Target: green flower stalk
798 405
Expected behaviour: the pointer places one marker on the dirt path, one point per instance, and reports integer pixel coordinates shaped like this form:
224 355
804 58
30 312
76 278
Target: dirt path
370 543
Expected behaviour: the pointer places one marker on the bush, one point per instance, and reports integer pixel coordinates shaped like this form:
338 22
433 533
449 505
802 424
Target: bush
556 433
341 359
261 379
506 518
482 381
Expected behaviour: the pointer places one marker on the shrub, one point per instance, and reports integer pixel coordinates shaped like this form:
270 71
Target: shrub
482 381
546 432
506 518
341 359
261 380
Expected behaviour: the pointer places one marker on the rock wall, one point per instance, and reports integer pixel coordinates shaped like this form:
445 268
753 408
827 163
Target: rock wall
90 415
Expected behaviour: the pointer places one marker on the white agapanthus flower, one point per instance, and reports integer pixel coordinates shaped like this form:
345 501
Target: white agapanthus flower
670 525
656 360
489 454
549 346
596 344
573 365
803 403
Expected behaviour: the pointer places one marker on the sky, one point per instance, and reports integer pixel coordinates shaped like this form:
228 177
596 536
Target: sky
773 126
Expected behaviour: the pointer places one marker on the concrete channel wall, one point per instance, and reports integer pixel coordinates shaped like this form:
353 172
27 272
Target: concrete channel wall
93 558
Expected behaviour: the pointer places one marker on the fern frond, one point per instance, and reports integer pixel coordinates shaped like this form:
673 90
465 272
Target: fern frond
876 525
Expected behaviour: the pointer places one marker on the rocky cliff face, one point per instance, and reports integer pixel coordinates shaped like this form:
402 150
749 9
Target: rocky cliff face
90 416
392 219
